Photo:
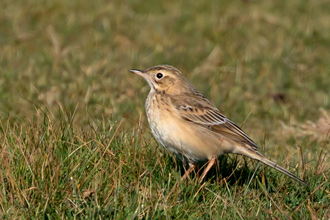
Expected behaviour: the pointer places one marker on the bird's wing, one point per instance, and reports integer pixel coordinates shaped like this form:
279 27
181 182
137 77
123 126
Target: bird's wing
200 111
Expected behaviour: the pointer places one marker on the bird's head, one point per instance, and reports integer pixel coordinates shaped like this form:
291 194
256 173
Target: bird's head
164 78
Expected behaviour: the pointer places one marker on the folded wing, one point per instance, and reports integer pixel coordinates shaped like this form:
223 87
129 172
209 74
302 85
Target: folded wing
201 112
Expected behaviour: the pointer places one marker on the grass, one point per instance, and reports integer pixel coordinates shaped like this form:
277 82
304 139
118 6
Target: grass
75 142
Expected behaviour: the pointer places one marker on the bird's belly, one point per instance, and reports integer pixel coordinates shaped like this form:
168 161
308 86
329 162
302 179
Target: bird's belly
184 138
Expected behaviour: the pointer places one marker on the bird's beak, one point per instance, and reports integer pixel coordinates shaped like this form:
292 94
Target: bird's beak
139 72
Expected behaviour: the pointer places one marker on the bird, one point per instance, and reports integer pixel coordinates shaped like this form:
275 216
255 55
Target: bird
186 123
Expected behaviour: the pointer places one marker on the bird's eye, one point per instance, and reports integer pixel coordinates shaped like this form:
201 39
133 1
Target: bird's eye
159 75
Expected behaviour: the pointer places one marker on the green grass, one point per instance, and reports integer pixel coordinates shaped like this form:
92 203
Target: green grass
74 140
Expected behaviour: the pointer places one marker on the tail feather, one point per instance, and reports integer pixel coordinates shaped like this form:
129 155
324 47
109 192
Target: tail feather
282 170
257 156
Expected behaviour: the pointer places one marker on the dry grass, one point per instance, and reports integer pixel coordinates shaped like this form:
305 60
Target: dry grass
319 130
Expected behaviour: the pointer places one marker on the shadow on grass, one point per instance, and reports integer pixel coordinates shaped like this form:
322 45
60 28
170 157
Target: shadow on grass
232 168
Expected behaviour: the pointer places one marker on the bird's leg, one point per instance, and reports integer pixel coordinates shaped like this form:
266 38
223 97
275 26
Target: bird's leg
186 174
206 170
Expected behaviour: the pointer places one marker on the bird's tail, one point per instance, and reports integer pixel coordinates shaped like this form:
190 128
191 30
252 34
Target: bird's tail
282 170
257 156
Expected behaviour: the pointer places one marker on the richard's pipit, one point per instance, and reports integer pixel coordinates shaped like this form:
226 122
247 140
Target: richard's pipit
186 123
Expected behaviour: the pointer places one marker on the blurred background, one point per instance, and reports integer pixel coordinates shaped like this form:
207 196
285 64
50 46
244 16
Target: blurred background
268 60
265 64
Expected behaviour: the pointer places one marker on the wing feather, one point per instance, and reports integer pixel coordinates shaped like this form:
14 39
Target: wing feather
200 111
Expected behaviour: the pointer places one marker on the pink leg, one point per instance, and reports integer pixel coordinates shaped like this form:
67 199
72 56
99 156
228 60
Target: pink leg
206 170
186 174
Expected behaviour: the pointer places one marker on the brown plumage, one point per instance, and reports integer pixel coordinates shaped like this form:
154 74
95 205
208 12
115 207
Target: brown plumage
186 123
